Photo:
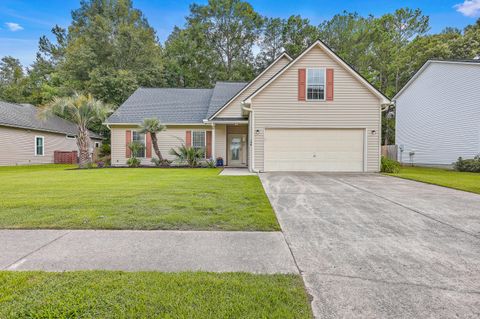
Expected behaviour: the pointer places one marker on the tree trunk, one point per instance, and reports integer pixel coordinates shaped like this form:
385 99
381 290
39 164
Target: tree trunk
83 143
155 146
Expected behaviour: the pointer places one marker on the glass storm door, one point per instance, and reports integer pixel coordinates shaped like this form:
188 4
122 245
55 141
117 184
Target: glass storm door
235 150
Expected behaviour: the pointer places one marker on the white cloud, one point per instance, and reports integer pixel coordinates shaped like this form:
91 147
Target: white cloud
13 26
469 8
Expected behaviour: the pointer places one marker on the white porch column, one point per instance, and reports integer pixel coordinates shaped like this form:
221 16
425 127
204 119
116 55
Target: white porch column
214 142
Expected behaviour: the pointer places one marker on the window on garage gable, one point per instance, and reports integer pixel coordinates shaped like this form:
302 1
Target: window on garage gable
316 84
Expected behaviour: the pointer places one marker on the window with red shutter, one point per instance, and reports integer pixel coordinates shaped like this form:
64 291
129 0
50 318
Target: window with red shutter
301 84
329 84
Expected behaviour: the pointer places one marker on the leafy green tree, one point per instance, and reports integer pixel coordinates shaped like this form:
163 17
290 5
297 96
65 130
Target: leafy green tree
392 35
11 71
350 36
271 42
12 80
231 29
471 43
111 45
153 126
189 60
298 34
43 81
83 110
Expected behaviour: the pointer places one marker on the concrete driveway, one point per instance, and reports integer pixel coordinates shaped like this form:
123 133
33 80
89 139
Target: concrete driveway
372 246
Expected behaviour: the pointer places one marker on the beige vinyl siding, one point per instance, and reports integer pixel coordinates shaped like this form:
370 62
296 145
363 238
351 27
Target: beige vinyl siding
17 146
172 137
220 141
354 106
234 109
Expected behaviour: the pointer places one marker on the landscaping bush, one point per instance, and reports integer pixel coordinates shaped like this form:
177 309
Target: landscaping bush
161 162
105 150
133 162
187 154
135 148
468 165
389 166
211 164
107 160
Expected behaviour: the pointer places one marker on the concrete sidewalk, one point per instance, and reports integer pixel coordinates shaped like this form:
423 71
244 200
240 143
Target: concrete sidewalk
61 250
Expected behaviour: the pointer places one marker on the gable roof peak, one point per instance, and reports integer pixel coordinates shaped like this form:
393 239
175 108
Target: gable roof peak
427 64
335 57
216 109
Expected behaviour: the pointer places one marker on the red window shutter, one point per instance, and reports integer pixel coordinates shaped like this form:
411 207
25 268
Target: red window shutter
208 150
302 75
188 138
148 146
128 140
329 84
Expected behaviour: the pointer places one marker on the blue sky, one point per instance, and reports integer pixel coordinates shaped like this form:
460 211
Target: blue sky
23 22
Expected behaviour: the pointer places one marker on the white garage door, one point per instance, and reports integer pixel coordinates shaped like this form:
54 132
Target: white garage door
320 150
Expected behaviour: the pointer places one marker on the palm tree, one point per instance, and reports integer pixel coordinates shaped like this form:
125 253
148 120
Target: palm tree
83 110
153 126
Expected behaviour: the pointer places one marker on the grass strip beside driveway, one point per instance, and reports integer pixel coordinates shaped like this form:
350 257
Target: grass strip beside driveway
60 197
464 181
104 294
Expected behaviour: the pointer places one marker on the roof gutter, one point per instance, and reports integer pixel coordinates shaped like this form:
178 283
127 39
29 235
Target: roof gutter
98 137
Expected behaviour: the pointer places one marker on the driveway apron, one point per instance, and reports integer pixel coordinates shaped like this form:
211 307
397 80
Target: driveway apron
372 246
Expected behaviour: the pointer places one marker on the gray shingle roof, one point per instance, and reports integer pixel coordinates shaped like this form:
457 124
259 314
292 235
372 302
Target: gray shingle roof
175 105
27 116
222 93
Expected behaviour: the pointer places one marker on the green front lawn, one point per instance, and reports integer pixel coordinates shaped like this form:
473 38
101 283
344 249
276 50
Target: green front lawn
106 294
55 196
469 182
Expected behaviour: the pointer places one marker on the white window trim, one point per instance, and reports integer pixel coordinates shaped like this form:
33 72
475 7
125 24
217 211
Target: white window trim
145 142
43 145
324 85
97 144
204 141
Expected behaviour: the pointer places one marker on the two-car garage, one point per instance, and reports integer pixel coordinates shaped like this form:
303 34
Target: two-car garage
321 150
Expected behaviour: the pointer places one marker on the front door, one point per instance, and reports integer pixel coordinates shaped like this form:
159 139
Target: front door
236 150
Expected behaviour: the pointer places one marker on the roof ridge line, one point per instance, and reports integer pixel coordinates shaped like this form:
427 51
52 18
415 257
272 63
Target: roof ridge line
174 88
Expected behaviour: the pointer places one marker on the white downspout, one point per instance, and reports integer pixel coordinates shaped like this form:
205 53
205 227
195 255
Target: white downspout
252 137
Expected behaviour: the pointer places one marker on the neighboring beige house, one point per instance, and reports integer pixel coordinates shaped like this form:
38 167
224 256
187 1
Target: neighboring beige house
27 139
312 113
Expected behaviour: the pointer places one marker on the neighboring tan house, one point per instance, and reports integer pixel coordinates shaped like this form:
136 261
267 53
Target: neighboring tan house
27 139
438 113
312 113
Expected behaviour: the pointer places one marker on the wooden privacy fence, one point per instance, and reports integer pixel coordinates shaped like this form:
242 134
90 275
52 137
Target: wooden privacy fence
390 151
62 157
